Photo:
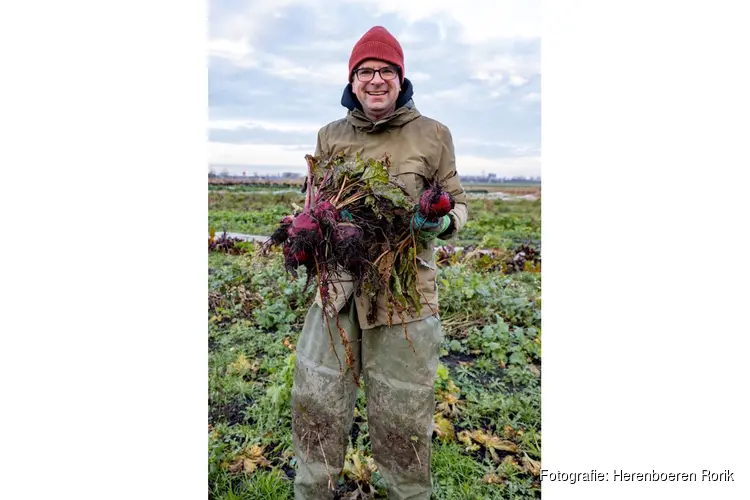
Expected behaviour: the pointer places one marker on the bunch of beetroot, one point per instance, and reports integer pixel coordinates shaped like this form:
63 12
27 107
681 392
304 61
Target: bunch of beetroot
355 213
356 220
351 212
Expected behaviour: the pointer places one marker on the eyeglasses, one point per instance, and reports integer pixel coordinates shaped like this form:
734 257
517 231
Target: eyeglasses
367 74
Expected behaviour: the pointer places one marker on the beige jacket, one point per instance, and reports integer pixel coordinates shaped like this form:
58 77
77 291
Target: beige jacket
418 147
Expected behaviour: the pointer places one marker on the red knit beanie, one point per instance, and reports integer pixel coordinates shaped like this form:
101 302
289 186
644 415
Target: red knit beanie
377 43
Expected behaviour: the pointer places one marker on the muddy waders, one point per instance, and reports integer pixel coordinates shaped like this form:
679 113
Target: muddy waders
399 390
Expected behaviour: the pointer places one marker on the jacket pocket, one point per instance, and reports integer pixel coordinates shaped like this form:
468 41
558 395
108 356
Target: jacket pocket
339 291
427 272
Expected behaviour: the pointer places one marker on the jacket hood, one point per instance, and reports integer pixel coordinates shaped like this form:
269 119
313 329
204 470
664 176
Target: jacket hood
405 109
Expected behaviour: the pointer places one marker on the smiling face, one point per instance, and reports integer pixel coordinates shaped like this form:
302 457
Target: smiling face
378 95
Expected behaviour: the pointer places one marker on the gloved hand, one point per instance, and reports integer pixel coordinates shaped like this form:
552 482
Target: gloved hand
427 230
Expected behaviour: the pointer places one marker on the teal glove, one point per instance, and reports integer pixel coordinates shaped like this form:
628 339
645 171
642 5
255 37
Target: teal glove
427 230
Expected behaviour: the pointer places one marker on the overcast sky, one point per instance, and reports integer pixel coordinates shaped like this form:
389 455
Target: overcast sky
278 68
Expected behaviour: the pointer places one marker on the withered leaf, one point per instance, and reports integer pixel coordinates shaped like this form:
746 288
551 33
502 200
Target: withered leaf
444 429
492 478
531 465
249 460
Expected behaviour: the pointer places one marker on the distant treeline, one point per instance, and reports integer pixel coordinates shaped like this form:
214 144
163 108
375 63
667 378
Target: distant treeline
255 181
492 179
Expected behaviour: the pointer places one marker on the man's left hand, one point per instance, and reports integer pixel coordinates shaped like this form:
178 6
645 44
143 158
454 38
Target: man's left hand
426 230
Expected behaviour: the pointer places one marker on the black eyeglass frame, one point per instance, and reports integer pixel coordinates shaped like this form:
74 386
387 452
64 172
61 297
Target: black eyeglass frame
378 71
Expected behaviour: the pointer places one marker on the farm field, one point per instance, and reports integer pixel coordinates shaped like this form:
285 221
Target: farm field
487 438
223 185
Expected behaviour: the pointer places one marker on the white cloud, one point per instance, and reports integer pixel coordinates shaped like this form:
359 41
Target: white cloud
242 55
418 76
275 126
481 22
519 149
517 81
224 153
486 76
314 73
240 52
325 47
292 158
498 19
443 33
411 11
251 19
407 37
495 68
474 141
462 93
513 147
532 97
527 166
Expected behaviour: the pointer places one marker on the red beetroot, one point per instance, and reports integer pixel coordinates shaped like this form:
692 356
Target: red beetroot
346 231
281 234
303 223
435 202
294 257
326 212
301 256
348 247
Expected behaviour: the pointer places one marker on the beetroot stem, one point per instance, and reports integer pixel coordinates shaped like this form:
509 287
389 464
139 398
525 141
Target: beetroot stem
320 192
336 200
351 200
308 196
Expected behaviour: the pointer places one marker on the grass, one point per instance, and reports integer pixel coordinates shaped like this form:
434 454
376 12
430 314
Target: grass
488 426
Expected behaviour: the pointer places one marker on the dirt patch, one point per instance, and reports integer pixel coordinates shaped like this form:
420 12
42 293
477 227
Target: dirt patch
399 429
453 359
320 433
288 470
393 444
354 434
231 412
213 344
278 461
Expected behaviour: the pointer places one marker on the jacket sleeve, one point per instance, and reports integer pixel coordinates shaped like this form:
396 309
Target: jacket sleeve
446 166
319 143
318 153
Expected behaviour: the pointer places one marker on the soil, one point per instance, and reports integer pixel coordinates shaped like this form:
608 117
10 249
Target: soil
231 413
276 459
288 470
452 359
212 344
354 434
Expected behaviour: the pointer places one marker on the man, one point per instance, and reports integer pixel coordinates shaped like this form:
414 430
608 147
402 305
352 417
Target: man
398 384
